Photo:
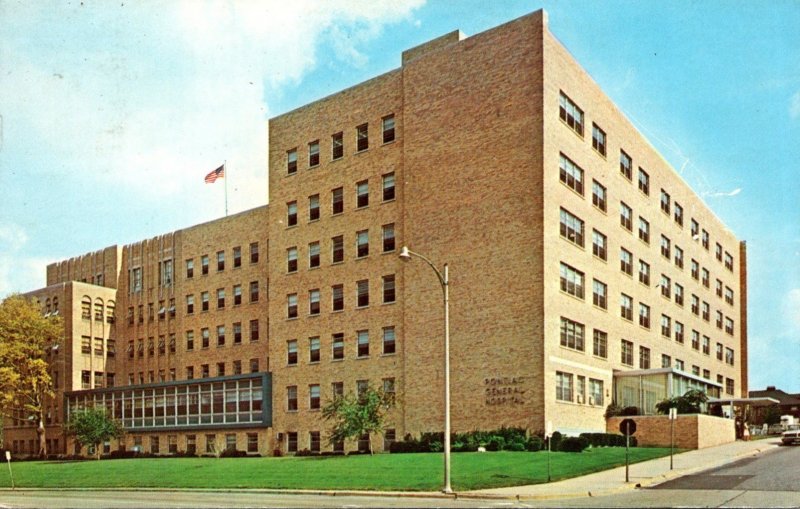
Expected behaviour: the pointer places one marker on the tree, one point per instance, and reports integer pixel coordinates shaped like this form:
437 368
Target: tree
689 403
354 416
93 426
25 384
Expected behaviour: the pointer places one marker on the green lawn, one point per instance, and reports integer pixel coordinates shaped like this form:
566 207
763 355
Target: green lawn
412 472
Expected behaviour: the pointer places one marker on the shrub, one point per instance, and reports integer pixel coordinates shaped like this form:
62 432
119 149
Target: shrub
534 444
555 439
496 443
515 446
306 452
612 410
232 453
277 453
630 410
573 444
605 439
436 446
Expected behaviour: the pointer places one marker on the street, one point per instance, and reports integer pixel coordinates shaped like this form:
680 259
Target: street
768 480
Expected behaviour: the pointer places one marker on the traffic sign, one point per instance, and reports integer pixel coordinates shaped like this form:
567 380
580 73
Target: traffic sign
627 427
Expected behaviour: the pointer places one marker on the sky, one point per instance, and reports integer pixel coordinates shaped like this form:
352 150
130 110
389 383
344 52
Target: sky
111 113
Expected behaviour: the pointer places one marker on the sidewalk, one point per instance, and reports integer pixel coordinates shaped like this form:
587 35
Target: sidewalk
646 473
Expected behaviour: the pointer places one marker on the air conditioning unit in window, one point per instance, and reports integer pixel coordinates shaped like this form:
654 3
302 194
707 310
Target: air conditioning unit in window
591 400
580 399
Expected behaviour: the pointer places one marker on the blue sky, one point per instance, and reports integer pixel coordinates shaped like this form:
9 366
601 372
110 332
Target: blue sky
112 112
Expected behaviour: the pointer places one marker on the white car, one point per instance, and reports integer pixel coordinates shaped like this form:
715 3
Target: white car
791 435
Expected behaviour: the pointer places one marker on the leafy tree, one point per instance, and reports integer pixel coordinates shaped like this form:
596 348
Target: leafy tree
773 415
93 426
25 384
356 415
689 403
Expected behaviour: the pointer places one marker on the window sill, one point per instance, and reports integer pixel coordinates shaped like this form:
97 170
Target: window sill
291 318
314 267
363 307
312 315
362 357
573 190
338 360
390 200
361 151
337 311
389 303
310 221
393 354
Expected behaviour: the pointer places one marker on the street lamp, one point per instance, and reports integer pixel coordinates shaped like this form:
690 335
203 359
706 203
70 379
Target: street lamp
405 255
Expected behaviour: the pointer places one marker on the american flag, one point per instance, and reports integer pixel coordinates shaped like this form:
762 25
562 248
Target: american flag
216 174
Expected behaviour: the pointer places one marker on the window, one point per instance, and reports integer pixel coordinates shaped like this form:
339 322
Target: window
86 344
337 146
644 182
254 252
563 386
571 228
162 345
389 340
718 288
626 307
313 255
625 216
666 326
599 294
252 442
705 240
644 357
729 295
627 353
719 319
729 357
362 243
291 213
291 161
644 230
313 207
571 174
220 298
389 437
729 386
189 269
337 249
388 289
313 153
237 257
291 437
337 297
363 343
253 330
718 251
644 272
666 361
678 257
362 194
595 392
362 293
695 304
253 291
569 112
388 128
337 201
220 261
598 195
666 286
625 165
728 261
695 270
291 405
599 243
237 295
313 302
388 187
679 365
665 247
205 335
388 237
706 345
678 214
204 264
626 261
598 139
719 351
291 305
705 277
600 344
313 349
695 340
678 294
254 365
706 311
728 326
695 370
313 400
220 335
644 315
151 347
237 333
337 346
362 137
678 332
665 201
571 281
572 334
220 369
291 352
695 230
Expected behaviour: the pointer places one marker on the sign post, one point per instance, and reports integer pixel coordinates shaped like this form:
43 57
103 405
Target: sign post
627 427
673 416
8 460
548 433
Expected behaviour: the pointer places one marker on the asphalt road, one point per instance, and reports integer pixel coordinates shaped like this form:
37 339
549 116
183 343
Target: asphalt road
771 479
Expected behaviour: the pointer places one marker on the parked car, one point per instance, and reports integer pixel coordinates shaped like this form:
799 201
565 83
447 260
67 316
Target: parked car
791 435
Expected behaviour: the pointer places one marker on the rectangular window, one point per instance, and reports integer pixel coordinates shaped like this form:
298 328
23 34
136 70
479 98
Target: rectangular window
313 255
595 392
388 187
237 333
337 201
86 344
237 257
205 335
337 249
388 128
644 230
291 352
626 261
362 137
666 361
644 181
252 442
695 304
291 213
625 165
728 326
363 343
362 293
706 311
254 365
718 251
666 286
291 406
695 340
598 139
572 334
729 386
729 357
314 441
678 332
665 202
571 228
705 277
599 195
388 237
389 340
220 261
644 272
625 216
313 349
313 302
253 291
362 194
678 257
220 369
570 113
666 326
705 240
204 265
291 437
665 247
237 295
313 207
291 305
220 335
729 295
644 315
253 330
626 353
570 174
220 298
337 146
728 261
626 307
204 371
291 161
362 243
313 153
706 345
254 252
337 342
189 269
599 244
678 294
337 297
599 294
718 288
644 357
719 319
695 270
388 289
571 281
719 351
313 399
563 386
600 344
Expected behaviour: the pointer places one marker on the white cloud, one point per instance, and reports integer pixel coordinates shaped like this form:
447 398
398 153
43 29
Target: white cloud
794 105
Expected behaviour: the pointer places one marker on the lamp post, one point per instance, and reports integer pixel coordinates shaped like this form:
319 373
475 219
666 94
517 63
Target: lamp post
405 255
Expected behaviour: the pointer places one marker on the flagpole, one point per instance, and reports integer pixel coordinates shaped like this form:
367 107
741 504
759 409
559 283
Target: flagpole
225 178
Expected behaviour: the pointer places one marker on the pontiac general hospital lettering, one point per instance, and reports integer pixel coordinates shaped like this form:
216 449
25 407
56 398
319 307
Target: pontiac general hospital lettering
505 390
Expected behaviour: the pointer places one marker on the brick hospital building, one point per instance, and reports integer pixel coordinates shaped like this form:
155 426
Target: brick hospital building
583 270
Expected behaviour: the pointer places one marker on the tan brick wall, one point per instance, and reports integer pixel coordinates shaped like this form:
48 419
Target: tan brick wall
99 267
693 431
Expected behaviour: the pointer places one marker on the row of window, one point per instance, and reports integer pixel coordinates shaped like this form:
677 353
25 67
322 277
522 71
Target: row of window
101 309
220 295
575 389
337 144
337 200
388 346
572 175
101 346
101 379
362 248
337 390
337 297
212 443
237 367
314 442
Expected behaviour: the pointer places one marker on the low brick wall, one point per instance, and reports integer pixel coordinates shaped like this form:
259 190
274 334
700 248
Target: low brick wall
694 431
